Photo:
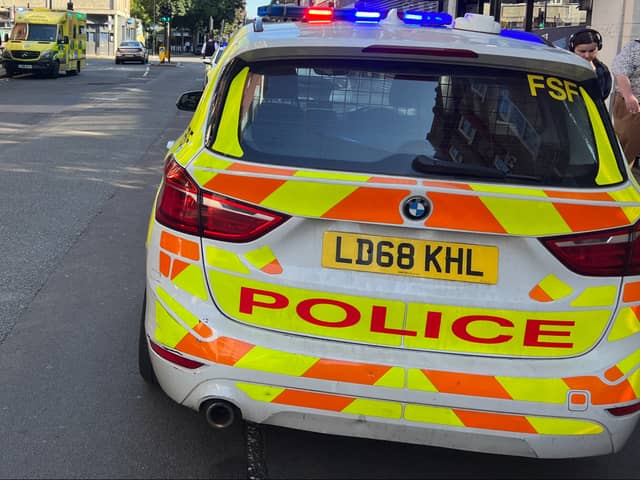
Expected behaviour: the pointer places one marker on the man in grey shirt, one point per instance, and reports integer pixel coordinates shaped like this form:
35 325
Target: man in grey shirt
626 117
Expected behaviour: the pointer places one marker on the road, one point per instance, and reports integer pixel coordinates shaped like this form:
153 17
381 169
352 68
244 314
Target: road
80 159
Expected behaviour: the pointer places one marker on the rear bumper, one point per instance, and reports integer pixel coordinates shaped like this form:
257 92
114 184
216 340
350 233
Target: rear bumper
376 392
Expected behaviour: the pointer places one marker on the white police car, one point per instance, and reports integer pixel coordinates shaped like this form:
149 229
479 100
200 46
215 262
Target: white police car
399 226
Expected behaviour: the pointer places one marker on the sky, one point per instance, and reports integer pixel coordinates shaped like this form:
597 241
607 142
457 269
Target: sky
252 7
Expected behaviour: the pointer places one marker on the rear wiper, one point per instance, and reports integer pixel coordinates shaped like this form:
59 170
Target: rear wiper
425 164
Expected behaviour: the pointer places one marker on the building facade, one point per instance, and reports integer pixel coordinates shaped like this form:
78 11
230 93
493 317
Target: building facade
108 21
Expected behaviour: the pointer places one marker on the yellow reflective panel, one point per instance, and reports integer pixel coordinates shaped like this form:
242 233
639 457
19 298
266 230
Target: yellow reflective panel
625 325
629 194
167 331
185 315
608 170
394 378
226 260
332 176
207 159
545 390
503 332
203 176
374 408
555 288
260 257
630 363
191 280
227 141
275 361
634 381
309 198
604 296
311 312
417 380
428 414
526 217
260 393
564 426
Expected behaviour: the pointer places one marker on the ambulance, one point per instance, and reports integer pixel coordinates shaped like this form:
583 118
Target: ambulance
398 225
46 42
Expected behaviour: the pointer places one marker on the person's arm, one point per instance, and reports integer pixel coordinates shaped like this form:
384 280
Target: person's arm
624 87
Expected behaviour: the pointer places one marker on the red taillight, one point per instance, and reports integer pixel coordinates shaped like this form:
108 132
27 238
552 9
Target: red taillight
178 200
626 410
599 254
174 357
184 207
224 219
318 15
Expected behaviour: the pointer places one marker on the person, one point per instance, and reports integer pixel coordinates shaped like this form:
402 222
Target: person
209 47
187 46
587 43
626 118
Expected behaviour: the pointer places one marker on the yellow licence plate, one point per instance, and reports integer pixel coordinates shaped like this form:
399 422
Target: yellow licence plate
417 258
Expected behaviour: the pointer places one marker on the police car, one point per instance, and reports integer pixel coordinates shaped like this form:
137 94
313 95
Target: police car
400 226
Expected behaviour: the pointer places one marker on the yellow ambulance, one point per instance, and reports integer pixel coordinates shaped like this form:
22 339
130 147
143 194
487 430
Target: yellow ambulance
46 42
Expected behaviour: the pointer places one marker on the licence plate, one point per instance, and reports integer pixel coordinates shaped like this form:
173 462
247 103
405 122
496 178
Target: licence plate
28 67
417 258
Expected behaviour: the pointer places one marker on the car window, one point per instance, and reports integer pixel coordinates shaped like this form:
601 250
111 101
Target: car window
130 44
404 119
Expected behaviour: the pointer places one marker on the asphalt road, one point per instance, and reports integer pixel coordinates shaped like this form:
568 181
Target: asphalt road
80 159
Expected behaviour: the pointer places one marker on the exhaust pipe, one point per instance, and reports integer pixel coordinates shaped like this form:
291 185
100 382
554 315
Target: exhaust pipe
219 413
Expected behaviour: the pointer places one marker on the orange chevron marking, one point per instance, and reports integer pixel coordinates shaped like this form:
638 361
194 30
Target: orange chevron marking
245 167
273 268
165 264
178 267
582 218
613 374
351 372
393 181
459 186
601 393
321 401
593 196
631 292
250 189
495 421
461 212
223 350
539 295
466 384
370 205
180 246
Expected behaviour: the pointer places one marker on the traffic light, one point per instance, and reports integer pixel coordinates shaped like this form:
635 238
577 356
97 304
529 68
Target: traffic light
165 12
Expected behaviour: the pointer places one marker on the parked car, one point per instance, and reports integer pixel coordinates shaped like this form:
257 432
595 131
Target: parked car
131 51
412 229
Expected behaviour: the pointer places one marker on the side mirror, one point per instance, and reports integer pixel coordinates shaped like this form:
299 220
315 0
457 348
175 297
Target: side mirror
188 101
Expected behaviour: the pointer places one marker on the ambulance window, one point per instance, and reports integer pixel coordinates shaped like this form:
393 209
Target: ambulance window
19 32
75 32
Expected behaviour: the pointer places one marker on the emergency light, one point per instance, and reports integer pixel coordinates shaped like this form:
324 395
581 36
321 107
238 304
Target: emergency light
322 14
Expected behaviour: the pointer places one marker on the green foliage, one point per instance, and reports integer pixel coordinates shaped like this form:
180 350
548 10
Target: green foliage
193 14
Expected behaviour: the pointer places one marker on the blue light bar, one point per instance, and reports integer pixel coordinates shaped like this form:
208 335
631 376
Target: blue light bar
521 35
426 19
367 16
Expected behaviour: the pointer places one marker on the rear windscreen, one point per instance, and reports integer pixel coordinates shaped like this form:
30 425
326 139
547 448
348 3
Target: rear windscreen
419 120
